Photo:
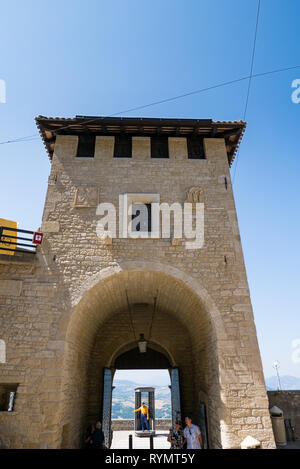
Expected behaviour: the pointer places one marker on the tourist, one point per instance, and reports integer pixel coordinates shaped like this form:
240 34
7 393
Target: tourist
97 438
192 434
144 416
176 437
88 436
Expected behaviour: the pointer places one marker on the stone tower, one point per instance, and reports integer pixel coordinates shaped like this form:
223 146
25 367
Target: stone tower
73 312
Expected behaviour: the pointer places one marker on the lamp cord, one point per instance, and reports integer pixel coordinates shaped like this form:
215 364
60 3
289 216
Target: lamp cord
153 313
130 316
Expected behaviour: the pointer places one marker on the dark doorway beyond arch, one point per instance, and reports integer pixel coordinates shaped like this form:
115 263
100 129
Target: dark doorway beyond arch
134 360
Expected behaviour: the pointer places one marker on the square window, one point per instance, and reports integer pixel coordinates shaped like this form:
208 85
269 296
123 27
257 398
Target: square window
141 217
159 147
195 148
7 397
123 146
86 146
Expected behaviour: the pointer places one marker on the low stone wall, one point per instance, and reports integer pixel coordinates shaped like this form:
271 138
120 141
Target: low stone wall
128 424
289 403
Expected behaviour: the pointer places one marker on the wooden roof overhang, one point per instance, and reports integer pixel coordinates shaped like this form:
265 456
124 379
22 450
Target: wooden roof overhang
232 132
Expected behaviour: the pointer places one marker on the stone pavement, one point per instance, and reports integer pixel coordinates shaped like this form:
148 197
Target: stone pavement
121 440
290 445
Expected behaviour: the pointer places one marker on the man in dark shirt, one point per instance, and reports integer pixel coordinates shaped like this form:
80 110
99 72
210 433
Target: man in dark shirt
88 436
97 438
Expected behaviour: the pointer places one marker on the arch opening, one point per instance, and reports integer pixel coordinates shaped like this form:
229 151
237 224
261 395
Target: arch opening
137 378
105 326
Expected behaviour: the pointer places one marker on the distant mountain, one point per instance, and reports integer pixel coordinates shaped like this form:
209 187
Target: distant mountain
288 383
123 400
123 396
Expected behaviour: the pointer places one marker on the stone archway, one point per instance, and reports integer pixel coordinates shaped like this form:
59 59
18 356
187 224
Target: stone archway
169 338
186 325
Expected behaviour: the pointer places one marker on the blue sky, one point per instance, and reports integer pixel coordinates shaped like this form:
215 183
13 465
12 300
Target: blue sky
98 57
145 377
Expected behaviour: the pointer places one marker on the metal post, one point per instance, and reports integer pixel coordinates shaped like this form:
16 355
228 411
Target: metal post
151 411
276 366
137 415
175 395
151 442
130 441
106 408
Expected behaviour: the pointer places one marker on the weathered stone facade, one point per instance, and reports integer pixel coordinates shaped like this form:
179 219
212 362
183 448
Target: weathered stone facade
65 316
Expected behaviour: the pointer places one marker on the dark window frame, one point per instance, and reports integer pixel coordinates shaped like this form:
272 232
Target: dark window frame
193 145
86 146
121 144
159 146
7 396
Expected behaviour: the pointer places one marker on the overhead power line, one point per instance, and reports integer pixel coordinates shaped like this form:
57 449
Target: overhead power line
252 60
28 138
154 103
173 98
249 82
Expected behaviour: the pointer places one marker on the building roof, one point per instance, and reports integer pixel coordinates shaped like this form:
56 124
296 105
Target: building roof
49 127
144 389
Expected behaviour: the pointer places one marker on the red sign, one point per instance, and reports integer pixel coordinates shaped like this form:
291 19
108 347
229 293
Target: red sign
37 238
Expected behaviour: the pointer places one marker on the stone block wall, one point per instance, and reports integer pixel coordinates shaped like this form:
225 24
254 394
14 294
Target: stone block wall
54 308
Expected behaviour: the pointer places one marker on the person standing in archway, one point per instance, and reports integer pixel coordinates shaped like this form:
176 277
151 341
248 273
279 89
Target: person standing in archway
176 437
89 434
97 438
144 415
192 434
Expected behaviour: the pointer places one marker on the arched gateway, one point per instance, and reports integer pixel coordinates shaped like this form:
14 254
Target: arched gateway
75 312
161 303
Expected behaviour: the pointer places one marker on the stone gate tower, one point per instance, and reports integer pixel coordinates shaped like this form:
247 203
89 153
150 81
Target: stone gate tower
73 312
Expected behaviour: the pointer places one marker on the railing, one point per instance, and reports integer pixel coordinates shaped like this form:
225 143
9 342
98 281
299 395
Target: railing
13 242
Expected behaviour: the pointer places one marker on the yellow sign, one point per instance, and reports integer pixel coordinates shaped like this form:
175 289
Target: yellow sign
5 240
